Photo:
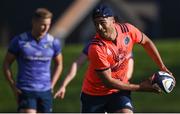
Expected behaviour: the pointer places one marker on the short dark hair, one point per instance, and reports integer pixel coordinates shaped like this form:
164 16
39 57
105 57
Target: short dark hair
42 13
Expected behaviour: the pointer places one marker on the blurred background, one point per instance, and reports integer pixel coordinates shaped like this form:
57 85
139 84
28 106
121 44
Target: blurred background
72 24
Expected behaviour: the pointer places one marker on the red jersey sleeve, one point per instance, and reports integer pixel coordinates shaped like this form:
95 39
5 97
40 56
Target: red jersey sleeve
136 34
98 57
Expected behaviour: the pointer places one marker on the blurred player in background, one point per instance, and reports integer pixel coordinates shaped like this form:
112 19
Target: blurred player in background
33 50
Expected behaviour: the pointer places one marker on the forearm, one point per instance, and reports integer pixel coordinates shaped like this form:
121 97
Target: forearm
143 86
117 84
70 76
153 52
9 77
9 59
73 70
56 75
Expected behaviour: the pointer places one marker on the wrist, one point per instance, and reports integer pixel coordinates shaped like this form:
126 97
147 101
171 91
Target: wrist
162 67
63 86
134 87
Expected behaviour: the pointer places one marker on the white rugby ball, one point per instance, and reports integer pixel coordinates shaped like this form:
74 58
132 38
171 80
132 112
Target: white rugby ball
164 80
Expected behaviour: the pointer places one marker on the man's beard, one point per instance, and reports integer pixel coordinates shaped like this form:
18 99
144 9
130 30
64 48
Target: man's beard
106 34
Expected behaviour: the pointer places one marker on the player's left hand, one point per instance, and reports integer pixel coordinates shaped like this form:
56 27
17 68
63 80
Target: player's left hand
60 93
164 68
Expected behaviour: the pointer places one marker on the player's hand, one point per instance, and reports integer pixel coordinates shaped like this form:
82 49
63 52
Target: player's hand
164 68
60 93
17 92
157 89
147 86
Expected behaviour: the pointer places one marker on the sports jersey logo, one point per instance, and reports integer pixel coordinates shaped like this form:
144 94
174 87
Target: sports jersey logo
47 45
38 53
27 45
126 40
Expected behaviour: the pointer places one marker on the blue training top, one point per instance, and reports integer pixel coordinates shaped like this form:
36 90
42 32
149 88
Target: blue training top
85 49
34 60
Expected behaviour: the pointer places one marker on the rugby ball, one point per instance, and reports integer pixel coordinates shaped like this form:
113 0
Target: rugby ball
164 81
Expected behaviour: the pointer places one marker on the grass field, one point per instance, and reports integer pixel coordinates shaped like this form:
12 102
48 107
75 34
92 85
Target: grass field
144 67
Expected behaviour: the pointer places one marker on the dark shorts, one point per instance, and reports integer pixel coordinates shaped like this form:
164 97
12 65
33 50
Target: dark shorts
40 101
108 103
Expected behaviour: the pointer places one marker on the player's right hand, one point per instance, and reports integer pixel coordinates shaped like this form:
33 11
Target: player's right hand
17 92
147 86
60 93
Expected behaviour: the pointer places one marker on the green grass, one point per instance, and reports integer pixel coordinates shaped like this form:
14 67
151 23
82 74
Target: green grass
144 67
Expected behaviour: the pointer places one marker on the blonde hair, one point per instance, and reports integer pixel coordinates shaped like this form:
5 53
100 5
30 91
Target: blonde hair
42 13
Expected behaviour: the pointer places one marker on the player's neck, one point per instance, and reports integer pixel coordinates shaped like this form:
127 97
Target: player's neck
36 36
114 34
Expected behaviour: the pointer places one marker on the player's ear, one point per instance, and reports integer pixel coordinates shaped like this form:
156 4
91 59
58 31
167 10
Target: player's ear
113 19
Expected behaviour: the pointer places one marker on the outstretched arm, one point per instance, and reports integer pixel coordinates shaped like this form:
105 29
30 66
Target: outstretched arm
151 49
72 73
118 84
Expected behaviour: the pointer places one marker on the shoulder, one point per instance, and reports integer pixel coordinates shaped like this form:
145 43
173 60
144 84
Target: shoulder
131 27
18 38
127 27
50 38
98 42
23 36
123 27
96 46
